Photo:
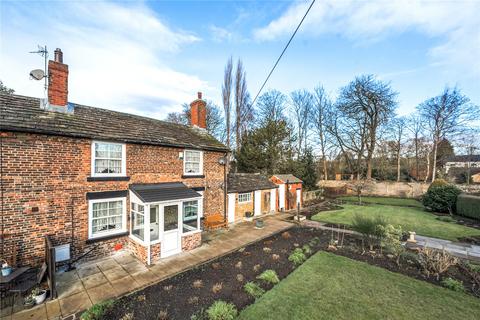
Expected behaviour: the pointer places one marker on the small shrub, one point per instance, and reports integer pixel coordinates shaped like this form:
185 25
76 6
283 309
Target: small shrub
436 262
307 250
269 276
453 284
391 241
256 268
199 315
371 228
141 298
162 315
410 258
275 257
221 310
97 311
216 265
467 205
267 250
314 242
238 265
441 198
240 277
253 289
197 284
168 288
217 287
438 183
193 300
446 219
475 268
297 257
127 316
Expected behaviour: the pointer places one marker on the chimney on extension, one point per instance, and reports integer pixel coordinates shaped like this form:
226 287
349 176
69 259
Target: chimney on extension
198 112
58 83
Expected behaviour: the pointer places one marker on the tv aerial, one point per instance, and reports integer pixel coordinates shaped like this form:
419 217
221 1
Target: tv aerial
39 74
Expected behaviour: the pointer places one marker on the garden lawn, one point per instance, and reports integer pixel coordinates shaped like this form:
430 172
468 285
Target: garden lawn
384 200
411 219
328 286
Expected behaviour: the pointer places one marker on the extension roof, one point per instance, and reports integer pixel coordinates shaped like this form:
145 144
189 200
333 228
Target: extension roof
290 178
157 192
248 182
23 114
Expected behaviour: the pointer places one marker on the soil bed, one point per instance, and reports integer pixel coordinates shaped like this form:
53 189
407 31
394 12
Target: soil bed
180 299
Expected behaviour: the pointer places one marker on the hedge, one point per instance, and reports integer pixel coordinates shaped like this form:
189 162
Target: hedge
468 206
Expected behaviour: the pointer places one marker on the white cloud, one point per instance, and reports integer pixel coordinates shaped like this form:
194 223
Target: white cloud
220 34
455 22
115 53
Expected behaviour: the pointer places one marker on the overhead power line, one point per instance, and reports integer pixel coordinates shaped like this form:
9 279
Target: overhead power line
284 49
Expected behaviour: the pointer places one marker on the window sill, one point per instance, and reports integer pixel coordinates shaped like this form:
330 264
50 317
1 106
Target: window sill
108 179
190 176
107 237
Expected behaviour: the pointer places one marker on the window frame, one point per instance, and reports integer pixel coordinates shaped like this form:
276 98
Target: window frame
249 194
185 162
123 166
132 220
108 233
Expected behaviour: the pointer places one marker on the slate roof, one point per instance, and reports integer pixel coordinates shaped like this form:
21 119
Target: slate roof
157 192
20 113
288 177
464 158
247 182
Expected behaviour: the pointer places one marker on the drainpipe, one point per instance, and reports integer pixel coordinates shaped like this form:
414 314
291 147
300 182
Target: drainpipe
287 196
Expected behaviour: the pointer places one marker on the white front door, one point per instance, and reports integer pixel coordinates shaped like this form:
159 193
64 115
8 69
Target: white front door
299 196
231 207
258 202
171 240
273 200
281 197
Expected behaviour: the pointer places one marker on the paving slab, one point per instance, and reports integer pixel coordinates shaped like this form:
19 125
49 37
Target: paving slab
145 278
75 303
115 273
125 258
66 277
94 280
53 309
101 293
88 270
38 312
125 285
69 288
107 264
135 267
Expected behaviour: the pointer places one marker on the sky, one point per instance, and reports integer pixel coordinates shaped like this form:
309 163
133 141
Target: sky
149 57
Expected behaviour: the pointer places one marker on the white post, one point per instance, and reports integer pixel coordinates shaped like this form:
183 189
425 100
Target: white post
146 230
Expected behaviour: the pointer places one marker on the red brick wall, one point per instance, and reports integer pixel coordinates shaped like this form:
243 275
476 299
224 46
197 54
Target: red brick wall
192 241
43 175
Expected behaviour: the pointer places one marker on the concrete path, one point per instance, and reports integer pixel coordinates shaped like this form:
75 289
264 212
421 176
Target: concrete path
122 273
457 249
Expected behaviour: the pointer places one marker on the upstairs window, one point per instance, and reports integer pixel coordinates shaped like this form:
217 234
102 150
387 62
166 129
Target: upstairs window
108 159
193 162
244 197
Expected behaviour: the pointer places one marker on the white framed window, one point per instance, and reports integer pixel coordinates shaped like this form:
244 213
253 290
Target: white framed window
108 159
192 162
191 216
244 197
106 217
138 220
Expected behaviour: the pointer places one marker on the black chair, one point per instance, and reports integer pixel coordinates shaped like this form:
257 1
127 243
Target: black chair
27 281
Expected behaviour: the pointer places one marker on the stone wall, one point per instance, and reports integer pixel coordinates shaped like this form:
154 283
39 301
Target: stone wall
383 188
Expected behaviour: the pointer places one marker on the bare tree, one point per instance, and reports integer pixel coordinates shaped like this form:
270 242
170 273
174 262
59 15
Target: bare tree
321 110
398 129
414 126
469 144
446 115
226 95
243 110
5 89
271 106
375 102
302 107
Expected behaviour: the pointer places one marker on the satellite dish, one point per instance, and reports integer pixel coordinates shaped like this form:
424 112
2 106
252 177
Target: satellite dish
37 74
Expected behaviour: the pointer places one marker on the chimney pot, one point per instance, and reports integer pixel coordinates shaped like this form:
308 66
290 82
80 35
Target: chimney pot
58 55
199 94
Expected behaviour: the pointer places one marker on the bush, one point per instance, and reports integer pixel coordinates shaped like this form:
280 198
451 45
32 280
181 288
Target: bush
297 257
97 311
391 240
410 258
453 284
439 183
306 249
441 197
468 206
371 228
436 262
221 310
253 289
269 276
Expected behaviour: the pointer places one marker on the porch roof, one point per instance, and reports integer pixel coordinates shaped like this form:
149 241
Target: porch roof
158 192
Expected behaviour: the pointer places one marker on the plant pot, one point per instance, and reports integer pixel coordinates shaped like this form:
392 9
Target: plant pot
259 224
29 303
248 216
41 297
6 271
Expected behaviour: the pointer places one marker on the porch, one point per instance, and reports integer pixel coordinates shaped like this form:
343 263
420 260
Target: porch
122 273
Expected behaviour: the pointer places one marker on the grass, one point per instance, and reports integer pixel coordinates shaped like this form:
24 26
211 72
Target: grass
411 219
328 286
385 200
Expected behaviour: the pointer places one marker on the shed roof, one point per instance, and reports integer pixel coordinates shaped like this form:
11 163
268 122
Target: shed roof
20 113
158 192
247 182
288 177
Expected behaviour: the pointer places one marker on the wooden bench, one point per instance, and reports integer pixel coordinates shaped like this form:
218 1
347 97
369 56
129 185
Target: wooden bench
215 221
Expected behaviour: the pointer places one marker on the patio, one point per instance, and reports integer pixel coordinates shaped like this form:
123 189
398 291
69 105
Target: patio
122 273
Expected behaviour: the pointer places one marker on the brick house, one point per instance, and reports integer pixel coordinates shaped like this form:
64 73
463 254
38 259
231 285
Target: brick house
250 192
289 191
100 181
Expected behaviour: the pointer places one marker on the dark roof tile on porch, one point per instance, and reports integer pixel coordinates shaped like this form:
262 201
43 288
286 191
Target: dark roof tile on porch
158 192
247 182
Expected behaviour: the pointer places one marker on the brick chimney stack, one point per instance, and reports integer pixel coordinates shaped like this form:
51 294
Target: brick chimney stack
198 112
57 81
